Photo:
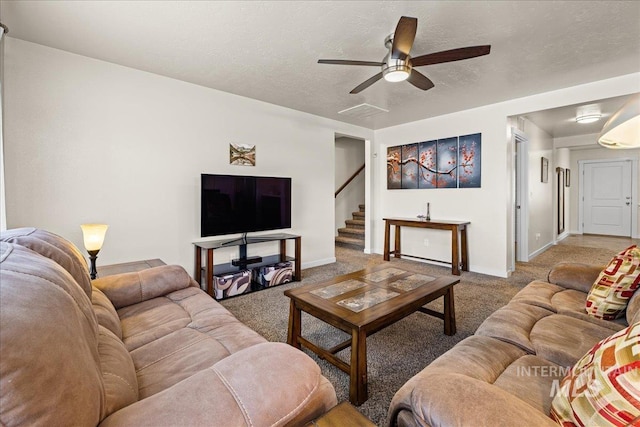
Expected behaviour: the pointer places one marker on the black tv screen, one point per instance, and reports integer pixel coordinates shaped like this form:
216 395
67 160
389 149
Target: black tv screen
241 204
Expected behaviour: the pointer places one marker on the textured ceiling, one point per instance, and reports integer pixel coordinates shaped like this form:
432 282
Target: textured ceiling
268 50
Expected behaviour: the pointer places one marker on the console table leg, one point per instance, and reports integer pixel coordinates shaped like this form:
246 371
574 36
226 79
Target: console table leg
358 393
463 243
396 252
387 232
455 259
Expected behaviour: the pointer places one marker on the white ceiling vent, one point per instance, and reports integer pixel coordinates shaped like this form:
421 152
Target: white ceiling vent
363 110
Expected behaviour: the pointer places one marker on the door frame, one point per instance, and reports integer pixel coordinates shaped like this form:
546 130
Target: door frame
520 144
634 192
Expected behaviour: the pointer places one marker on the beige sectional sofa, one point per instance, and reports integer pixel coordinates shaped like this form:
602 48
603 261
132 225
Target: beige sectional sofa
508 372
147 348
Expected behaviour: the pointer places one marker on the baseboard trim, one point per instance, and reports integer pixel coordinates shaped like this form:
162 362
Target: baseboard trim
318 263
539 251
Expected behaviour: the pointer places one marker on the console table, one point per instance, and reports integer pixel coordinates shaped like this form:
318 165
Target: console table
241 244
459 256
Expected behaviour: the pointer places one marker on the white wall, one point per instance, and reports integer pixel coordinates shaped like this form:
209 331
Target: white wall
484 207
541 197
89 141
490 208
349 157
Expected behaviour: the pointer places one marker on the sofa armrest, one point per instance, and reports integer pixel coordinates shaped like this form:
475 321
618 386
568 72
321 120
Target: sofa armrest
448 399
268 384
572 275
131 288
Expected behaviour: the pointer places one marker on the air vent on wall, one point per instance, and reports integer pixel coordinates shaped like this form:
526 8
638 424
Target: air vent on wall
363 110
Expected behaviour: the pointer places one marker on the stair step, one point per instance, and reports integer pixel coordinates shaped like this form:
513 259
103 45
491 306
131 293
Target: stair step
355 223
358 215
361 207
350 241
351 232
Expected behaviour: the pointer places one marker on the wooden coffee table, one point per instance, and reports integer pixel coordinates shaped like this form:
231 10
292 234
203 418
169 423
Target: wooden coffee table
363 303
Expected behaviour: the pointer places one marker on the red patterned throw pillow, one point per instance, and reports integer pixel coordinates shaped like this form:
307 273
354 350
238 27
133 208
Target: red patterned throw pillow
615 285
603 387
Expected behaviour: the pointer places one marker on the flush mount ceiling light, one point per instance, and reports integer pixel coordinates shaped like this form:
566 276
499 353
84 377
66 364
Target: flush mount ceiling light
588 118
622 130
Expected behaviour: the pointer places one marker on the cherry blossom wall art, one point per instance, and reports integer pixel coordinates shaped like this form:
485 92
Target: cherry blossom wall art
443 163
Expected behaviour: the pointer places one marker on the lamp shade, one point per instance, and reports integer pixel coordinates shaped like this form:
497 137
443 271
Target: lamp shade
622 130
93 236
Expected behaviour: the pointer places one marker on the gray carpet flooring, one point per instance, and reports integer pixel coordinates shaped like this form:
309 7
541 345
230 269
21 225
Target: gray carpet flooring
403 349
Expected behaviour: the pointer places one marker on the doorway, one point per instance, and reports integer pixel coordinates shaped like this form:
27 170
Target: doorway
350 193
606 197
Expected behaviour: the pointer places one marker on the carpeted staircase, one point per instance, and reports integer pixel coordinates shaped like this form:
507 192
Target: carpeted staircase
352 236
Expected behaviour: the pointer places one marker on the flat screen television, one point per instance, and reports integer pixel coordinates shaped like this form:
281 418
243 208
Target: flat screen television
241 204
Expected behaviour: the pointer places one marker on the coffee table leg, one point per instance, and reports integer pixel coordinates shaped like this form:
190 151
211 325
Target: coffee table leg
294 325
449 313
358 377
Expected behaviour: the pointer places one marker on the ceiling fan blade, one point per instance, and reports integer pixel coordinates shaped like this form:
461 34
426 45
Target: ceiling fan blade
451 55
362 86
419 80
403 37
349 62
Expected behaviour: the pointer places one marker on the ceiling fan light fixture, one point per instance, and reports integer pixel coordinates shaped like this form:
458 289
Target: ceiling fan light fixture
397 73
588 118
396 70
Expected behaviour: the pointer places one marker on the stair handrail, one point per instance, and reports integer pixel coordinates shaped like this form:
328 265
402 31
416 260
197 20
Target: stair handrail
342 187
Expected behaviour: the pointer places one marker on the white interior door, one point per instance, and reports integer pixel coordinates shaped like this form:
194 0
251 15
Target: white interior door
607 198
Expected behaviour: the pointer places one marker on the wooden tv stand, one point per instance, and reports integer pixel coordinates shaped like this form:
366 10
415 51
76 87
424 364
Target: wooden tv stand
241 244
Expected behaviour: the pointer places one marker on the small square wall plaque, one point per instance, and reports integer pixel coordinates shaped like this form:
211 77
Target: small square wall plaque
242 154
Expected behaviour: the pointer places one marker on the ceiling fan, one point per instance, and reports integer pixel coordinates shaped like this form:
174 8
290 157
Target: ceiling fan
397 65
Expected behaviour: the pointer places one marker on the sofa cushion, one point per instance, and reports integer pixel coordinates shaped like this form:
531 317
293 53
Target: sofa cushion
560 300
132 288
106 312
573 275
558 338
513 324
533 380
176 336
610 293
49 362
563 340
478 379
603 388
52 246
118 373
269 384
